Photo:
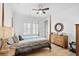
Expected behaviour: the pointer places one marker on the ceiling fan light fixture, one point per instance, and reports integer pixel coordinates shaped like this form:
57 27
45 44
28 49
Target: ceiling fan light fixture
40 12
44 12
37 13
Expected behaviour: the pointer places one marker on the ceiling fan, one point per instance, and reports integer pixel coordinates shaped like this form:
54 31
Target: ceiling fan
40 9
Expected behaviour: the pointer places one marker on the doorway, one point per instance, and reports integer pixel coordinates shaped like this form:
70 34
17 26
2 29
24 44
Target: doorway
46 28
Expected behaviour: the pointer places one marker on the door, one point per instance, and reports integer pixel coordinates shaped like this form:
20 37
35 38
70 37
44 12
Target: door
77 39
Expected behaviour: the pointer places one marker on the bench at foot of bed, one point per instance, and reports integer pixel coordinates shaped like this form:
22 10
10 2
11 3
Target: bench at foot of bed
30 48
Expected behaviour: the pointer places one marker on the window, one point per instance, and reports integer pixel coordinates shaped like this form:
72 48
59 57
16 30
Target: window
30 28
35 29
27 28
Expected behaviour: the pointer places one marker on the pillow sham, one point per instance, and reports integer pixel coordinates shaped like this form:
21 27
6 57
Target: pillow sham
20 38
15 38
10 41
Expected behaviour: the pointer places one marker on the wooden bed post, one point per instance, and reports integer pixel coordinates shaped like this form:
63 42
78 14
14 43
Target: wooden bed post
2 14
50 30
50 34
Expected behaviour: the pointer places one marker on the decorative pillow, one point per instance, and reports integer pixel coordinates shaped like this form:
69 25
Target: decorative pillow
20 38
10 41
15 38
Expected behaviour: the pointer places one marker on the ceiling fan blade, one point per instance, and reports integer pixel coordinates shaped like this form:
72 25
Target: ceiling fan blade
44 12
36 9
45 9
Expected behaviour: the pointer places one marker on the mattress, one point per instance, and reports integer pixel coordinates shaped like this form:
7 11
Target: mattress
32 41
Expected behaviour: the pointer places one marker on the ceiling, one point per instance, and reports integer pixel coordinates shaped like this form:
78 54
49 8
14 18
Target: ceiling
26 8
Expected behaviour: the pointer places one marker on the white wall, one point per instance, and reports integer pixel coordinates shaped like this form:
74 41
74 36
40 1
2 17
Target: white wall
69 18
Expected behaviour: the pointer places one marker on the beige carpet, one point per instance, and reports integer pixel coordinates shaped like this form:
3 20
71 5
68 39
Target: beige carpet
56 51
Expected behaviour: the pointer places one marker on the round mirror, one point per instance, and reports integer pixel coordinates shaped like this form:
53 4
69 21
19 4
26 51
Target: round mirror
59 27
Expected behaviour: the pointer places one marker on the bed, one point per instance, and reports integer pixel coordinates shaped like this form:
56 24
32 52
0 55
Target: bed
30 43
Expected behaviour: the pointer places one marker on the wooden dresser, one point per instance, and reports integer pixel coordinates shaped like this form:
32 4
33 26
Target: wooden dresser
77 39
60 40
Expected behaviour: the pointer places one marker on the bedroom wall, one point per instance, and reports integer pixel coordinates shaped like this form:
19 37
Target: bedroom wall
69 18
19 20
0 14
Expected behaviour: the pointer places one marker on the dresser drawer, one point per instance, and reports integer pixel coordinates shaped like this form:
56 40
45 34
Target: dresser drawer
60 40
